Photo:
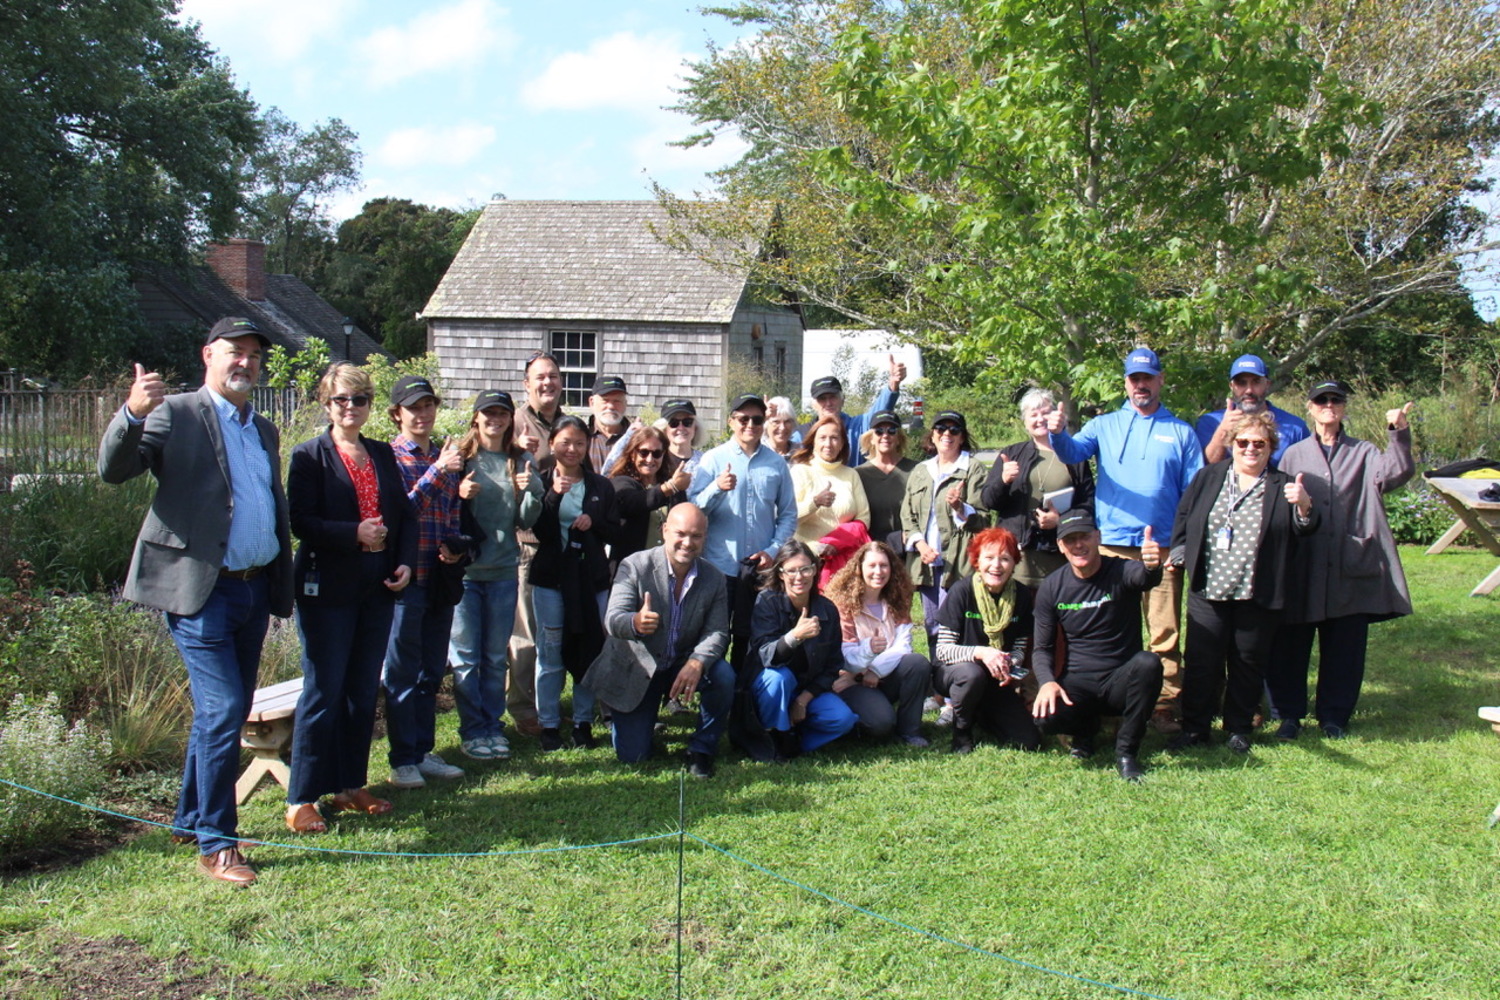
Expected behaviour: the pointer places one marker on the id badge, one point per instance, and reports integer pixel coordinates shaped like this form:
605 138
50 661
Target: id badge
1224 538
310 585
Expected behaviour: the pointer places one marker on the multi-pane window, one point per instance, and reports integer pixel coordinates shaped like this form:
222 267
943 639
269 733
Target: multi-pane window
577 355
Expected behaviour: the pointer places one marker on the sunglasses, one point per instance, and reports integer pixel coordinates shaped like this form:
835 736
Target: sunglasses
355 401
1329 401
886 430
1251 444
681 422
755 420
947 429
649 452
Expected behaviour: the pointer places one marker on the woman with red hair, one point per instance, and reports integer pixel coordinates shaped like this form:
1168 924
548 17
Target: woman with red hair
983 639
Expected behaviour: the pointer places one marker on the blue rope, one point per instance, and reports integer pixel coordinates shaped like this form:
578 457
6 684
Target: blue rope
918 930
338 850
679 833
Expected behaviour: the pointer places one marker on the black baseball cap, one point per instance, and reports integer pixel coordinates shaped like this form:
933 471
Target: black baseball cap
886 417
825 385
606 384
746 399
1329 387
1076 521
411 388
236 326
494 397
672 407
951 417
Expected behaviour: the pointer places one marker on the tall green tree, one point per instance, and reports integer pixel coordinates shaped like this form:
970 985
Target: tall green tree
121 132
291 174
386 264
1047 183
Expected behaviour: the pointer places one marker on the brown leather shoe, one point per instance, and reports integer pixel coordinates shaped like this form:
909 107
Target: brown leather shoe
1165 722
361 801
529 727
305 819
228 865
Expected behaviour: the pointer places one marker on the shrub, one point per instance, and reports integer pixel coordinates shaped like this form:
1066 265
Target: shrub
77 532
40 750
1418 516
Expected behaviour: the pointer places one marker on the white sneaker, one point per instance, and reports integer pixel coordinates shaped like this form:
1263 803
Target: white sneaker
433 766
407 776
499 747
945 717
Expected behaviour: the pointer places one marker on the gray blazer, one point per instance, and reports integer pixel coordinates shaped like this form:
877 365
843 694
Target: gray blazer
621 673
180 548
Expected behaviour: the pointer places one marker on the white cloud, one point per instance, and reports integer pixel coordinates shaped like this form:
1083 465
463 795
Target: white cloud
674 166
625 71
449 146
284 30
464 33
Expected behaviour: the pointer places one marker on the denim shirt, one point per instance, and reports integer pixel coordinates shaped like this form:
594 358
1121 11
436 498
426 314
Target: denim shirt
758 515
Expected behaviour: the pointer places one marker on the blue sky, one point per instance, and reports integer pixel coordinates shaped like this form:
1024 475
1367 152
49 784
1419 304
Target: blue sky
457 100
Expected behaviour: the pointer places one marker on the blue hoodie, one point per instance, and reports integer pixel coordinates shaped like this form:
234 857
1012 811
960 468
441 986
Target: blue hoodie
1144 467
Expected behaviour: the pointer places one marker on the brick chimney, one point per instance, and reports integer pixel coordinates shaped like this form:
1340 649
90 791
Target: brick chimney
240 264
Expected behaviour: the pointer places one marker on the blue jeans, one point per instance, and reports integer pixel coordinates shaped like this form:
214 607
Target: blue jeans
551 672
632 729
220 646
828 717
479 651
341 652
415 659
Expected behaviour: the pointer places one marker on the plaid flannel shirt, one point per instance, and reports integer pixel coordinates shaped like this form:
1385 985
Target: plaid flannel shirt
433 493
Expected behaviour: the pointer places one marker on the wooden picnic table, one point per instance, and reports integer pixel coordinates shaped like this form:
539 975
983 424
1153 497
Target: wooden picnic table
268 734
1491 714
1479 516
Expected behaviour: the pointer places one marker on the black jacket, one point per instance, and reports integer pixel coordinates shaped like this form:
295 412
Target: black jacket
816 662
1278 533
585 563
1013 502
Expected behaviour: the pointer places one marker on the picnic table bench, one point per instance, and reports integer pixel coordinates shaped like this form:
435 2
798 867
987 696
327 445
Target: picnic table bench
1479 516
268 734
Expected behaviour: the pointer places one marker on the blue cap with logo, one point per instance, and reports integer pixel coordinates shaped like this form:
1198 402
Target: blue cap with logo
1248 364
1142 359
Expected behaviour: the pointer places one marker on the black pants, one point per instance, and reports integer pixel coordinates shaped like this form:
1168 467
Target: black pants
978 698
1224 661
1341 668
1129 691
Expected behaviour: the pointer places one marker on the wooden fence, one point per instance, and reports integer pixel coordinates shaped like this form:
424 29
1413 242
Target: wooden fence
52 431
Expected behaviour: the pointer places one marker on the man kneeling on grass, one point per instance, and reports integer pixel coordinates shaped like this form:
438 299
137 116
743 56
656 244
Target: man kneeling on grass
1094 601
668 625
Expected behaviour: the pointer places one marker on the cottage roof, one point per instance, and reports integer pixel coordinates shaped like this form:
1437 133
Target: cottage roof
590 260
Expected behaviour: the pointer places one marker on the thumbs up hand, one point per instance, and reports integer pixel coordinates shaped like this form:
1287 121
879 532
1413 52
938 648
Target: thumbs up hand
1395 419
1057 420
1297 496
825 497
897 372
1150 550
468 487
645 620
1009 471
146 392
807 627
727 479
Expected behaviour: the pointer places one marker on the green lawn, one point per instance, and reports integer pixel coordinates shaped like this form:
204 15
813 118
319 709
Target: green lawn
1357 868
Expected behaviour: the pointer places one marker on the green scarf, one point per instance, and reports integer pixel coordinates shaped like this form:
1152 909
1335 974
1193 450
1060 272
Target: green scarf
996 610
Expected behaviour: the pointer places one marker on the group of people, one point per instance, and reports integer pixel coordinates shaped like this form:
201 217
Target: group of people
771 578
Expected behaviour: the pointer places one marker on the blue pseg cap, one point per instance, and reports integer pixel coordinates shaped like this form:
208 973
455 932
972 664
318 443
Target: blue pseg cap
1142 359
1248 364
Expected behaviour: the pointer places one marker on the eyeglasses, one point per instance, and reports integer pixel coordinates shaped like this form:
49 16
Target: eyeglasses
947 429
649 452
1251 444
798 570
681 422
885 430
1329 401
754 420
354 401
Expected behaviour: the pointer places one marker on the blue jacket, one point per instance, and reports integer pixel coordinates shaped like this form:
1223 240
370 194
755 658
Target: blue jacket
1290 428
1144 467
758 515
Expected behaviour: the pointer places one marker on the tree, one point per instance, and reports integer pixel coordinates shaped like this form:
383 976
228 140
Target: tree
1056 182
290 175
388 261
97 99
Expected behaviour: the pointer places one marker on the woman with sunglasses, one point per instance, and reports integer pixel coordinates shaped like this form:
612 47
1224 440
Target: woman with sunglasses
644 493
942 511
1235 534
1352 572
1024 475
797 638
570 580
358 532
685 436
500 493
884 473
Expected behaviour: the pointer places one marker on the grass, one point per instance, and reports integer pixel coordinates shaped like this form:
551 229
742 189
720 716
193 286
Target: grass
1357 868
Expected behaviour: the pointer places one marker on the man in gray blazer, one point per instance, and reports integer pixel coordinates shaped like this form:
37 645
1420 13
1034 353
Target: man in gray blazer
668 625
215 555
